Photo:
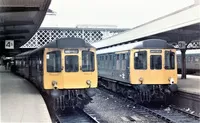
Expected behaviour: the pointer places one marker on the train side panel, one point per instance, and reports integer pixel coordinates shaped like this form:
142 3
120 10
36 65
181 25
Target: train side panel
115 66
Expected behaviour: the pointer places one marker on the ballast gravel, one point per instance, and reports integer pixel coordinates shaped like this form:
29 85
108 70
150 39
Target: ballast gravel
113 109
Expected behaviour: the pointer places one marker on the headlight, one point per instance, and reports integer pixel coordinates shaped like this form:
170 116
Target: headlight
171 80
88 82
141 80
54 84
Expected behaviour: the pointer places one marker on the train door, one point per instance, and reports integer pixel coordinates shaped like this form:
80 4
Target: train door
53 73
71 68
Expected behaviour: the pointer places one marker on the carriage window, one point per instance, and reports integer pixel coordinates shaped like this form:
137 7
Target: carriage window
123 61
118 63
178 59
71 63
156 62
24 63
169 60
88 61
140 60
54 61
106 62
110 61
196 59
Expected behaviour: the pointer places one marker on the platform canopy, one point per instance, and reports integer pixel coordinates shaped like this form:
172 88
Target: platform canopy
182 25
20 19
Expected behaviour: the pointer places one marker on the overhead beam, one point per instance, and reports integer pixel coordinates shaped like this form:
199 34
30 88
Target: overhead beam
10 32
184 31
18 9
16 23
12 37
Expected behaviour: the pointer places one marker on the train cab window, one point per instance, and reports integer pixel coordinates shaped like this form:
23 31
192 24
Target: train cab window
140 60
71 63
169 60
54 61
88 61
156 62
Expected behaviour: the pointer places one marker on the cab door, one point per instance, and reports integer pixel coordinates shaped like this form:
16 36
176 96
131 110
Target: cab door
71 70
52 69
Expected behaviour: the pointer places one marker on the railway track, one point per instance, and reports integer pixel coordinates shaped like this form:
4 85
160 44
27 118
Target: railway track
78 116
189 100
170 114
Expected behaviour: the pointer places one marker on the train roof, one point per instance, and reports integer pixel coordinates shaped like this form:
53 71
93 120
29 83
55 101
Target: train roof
194 51
62 43
145 44
24 53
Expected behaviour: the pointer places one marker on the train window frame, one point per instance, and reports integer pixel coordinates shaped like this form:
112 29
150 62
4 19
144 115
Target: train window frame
151 62
57 67
117 62
172 62
123 60
110 61
106 61
77 57
114 62
92 61
135 66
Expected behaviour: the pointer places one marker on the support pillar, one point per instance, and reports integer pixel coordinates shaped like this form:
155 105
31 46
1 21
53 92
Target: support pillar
183 63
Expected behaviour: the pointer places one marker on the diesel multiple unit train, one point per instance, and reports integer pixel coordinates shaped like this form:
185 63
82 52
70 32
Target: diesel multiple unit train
144 71
192 61
66 69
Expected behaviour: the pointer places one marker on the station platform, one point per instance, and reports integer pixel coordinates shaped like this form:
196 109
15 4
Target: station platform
189 85
21 101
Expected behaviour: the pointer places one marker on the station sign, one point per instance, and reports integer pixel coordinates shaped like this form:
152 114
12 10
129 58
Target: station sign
9 44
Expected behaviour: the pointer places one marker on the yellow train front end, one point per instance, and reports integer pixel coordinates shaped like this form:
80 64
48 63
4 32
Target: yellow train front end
155 71
70 75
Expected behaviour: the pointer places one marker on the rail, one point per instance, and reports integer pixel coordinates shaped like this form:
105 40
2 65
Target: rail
169 114
78 116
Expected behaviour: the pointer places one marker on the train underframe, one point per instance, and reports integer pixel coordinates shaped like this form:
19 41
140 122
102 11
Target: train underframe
63 99
70 98
140 93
